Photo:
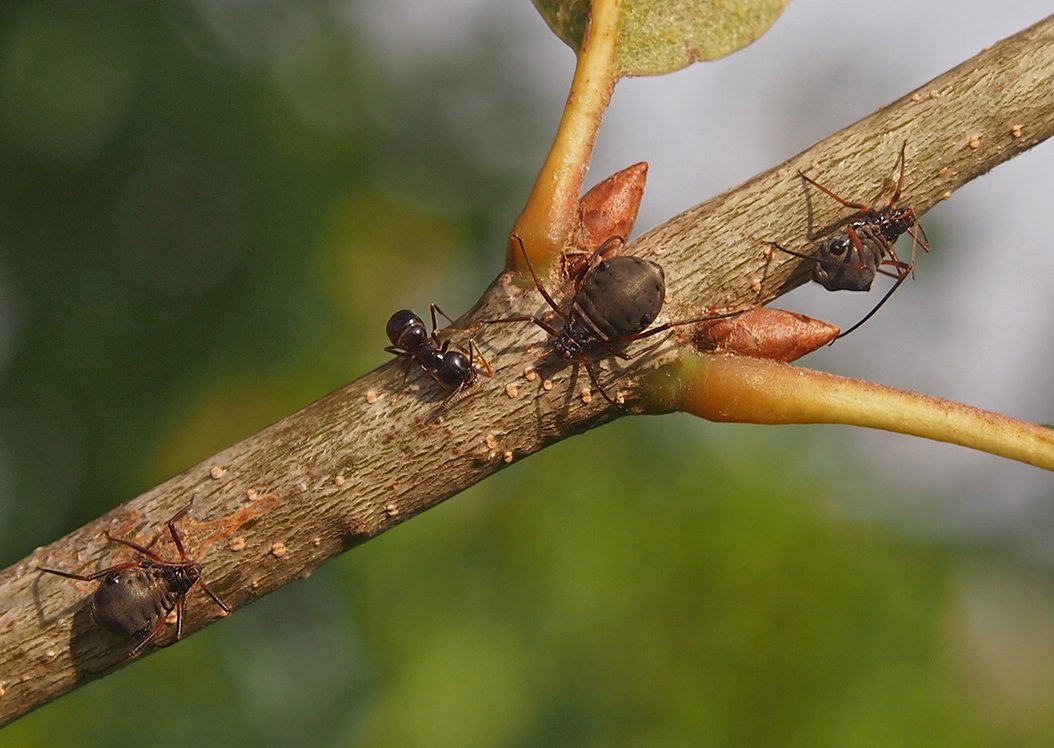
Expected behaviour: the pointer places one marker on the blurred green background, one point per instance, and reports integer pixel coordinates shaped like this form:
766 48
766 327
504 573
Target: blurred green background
207 213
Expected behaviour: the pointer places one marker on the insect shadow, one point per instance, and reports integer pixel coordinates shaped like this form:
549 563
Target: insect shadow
614 301
849 257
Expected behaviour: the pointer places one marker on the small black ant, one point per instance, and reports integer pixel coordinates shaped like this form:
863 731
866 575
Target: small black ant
453 370
134 598
614 301
849 259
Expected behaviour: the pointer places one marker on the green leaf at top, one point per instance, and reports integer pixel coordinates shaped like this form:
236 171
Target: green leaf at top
567 19
661 36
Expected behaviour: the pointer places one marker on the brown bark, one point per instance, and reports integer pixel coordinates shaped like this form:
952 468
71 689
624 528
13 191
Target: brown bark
366 458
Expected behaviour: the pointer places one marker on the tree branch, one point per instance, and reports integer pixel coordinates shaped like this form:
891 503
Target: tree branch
365 458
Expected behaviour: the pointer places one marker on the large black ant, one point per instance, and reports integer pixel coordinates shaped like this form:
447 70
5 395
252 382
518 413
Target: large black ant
134 598
614 301
451 369
849 259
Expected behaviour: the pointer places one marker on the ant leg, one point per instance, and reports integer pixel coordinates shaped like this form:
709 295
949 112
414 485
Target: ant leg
95 575
648 333
136 547
917 241
81 577
596 381
148 638
526 318
802 255
435 308
408 361
600 252
829 193
215 599
900 179
583 265
923 241
459 393
473 352
545 326
175 533
537 282
643 351
681 322
891 259
902 269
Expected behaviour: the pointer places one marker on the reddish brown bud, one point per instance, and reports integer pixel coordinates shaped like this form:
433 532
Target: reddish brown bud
607 210
766 333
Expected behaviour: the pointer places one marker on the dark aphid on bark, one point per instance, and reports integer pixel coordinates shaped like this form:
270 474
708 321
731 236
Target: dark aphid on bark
134 598
453 369
615 300
850 258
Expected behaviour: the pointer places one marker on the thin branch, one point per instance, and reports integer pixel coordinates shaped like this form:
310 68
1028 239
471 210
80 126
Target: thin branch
362 460
739 389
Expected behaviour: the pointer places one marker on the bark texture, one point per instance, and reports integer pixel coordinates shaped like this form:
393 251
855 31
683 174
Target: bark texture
272 508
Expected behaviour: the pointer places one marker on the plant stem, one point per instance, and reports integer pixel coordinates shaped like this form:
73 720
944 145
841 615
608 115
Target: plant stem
547 219
751 390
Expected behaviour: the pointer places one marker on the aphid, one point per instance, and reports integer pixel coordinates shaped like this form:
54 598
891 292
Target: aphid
451 369
614 301
850 258
134 598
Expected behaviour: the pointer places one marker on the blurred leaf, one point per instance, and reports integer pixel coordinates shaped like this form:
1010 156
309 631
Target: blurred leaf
66 81
567 18
661 36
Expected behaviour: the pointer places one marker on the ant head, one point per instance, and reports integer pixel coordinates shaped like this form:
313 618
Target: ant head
406 330
184 577
573 341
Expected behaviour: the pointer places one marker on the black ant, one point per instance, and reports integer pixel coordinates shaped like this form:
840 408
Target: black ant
614 301
849 259
134 598
453 370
